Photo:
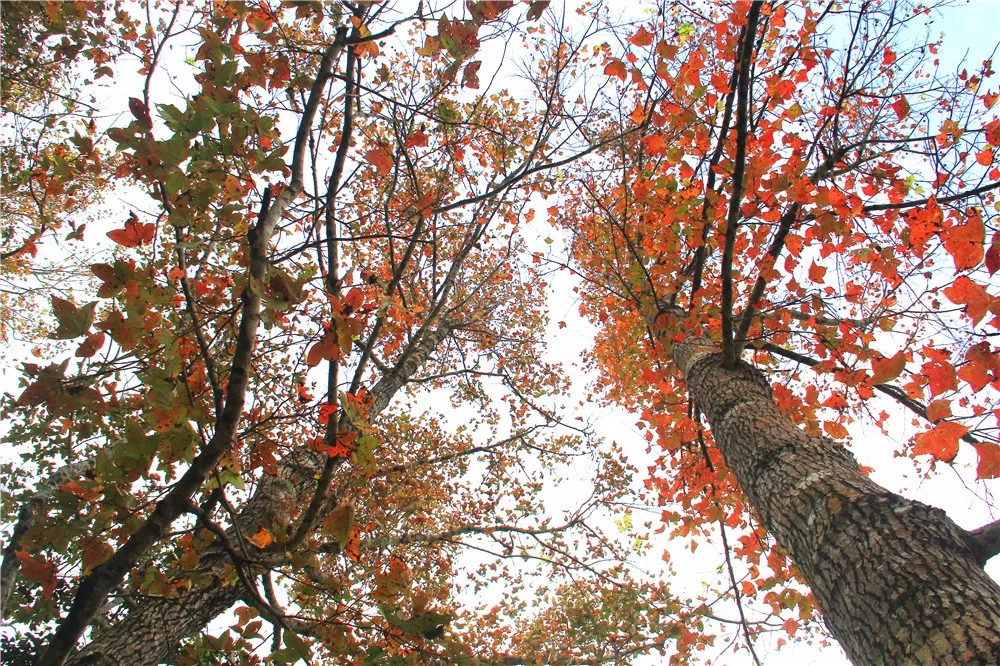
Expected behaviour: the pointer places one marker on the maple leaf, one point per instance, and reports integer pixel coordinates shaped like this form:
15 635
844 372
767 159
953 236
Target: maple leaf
73 321
938 409
113 277
340 523
616 68
642 38
470 75
940 376
964 242
940 442
992 258
262 539
381 158
417 139
91 345
901 107
816 273
656 144
536 8
972 295
488 10
884 370
38 571
134 234
989 460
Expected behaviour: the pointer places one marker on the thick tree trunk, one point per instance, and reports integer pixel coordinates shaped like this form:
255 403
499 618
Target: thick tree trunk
896 580
154 628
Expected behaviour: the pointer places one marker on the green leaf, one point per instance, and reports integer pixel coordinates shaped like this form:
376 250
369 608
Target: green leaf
174 117
429 625
340 523
294 650
364 456
73 321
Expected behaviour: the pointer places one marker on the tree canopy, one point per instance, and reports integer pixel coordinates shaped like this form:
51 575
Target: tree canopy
270 278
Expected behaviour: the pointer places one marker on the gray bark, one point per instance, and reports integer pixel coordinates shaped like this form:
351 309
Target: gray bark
896 580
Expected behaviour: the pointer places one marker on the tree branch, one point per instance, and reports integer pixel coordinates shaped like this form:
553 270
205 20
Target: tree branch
985 541
923 202
732 217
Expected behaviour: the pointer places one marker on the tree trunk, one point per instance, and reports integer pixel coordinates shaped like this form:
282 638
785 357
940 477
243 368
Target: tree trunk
896 580
155 627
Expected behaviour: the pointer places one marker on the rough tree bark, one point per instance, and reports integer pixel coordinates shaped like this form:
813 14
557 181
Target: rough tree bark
154 627
898 581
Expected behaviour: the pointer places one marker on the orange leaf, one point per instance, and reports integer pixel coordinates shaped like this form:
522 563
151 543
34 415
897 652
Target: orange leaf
835 430
974 374
974 297
816 273
95 552
262 539
940 442
989 460
38 571
642 38
941 377
964 242
886 369
938 409
381 158
985 157
616 68
134 234
232 188
655 144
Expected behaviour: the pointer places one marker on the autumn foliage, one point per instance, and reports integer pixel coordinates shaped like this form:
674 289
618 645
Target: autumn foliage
280 333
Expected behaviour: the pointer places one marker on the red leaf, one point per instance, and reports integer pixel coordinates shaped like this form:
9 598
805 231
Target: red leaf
139 110
91 345
134 234
470 75
418 138
941 442
964 242
886 369
642 38
816 273
993 254
901 107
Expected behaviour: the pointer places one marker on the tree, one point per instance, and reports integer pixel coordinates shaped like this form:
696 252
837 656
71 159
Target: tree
795 198
306 384
323 217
